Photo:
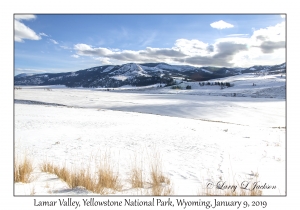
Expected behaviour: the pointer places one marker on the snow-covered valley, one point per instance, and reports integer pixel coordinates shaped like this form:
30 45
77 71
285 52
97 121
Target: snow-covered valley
203 135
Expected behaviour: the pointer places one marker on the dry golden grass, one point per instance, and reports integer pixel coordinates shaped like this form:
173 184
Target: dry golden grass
32 190
47 167
23 169
160 184
136 174
107 176
103 181
107 179
136 178
62 172
47 185
162 190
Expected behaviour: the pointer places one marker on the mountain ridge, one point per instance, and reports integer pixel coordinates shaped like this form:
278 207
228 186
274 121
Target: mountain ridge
138 75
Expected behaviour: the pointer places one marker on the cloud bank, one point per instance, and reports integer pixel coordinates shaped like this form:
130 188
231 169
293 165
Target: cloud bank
234 50
22 31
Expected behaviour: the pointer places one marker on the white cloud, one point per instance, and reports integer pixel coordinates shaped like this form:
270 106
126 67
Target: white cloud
24 17
22 31
43 34
237 40
53 41
282 16
114 49
26 70
84 49
272 33
266 46
65 47
221 25
237 35
104 61
269 40
191 47
75 56
40 71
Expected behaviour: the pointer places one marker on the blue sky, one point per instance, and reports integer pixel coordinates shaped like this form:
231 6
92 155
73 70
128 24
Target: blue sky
63 43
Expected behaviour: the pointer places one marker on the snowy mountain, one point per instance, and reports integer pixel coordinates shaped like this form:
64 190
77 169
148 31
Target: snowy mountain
23 75
137 75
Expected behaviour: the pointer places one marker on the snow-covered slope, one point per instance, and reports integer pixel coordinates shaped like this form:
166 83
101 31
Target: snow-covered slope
130 70
204 134
206 71
192 152
137 75
244 85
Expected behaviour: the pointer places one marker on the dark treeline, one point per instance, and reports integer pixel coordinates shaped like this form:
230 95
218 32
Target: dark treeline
227 84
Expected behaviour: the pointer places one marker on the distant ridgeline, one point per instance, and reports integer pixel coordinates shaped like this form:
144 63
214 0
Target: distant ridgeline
138 75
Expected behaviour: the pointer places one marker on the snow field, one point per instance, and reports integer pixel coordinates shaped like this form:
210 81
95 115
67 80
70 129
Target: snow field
192 151
267 112
197 136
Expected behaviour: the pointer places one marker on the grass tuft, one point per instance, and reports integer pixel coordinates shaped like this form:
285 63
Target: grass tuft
136 178
23 169
160 184
107 179
136 175
103 181
32 190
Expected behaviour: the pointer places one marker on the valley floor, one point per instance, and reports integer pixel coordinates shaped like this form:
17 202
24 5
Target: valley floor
199 139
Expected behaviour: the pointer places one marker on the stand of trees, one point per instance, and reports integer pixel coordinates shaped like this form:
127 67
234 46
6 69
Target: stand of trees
222 84
188 87
176 87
